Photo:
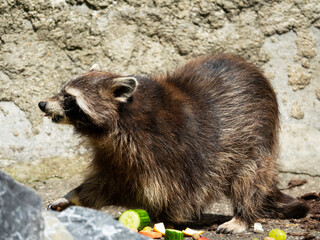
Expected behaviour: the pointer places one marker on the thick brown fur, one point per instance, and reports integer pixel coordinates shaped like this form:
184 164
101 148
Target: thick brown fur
172 144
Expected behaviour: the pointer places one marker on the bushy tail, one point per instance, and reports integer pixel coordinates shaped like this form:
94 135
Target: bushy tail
280 205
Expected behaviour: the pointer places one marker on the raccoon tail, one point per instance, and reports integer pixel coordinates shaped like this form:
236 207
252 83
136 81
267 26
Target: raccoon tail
280 205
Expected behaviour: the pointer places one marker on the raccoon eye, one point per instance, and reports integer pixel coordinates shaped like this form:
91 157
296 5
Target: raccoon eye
67 95
69 101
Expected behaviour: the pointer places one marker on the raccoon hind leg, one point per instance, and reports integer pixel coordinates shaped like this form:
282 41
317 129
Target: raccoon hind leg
248 190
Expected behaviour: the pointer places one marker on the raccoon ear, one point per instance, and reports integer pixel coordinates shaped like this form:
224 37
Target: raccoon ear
95 67
123 88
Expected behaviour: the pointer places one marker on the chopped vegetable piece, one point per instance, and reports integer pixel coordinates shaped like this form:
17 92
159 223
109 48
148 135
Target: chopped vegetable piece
147 229
189 232
151 234
257 227
137 218
159 227
203 238
172 234
195 236
277 234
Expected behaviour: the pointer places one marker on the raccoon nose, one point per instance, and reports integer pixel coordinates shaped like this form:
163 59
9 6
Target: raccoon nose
42 106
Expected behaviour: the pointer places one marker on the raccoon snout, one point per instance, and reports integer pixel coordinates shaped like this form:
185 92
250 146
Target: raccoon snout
42 106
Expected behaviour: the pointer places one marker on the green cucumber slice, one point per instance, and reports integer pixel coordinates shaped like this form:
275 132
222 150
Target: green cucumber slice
172 234
136 218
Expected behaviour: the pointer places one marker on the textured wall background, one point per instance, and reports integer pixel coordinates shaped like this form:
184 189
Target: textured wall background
44 43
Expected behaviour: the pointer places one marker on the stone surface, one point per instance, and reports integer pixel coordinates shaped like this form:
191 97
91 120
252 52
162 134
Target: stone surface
20 211
85 223
54 229
301 150
298 78
45 43
18 143
318 93
296 112
299 108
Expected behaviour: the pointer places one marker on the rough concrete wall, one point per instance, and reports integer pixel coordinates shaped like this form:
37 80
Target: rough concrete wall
44 43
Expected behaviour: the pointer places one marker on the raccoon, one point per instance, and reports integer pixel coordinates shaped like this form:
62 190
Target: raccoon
173 143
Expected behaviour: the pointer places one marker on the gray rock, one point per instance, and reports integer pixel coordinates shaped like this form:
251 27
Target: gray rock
54 229
85 223
20 211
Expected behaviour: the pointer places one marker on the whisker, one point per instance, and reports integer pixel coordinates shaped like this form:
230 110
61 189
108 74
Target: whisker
68 110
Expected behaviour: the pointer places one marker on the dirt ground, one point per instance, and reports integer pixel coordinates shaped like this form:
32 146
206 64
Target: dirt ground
52 178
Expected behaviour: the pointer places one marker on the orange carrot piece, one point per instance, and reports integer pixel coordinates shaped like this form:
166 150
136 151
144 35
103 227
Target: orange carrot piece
151 234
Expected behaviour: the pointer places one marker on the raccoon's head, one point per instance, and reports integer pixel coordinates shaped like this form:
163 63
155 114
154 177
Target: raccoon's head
91 100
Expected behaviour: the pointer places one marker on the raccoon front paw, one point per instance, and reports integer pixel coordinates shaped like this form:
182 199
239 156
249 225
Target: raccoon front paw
235 225
59 204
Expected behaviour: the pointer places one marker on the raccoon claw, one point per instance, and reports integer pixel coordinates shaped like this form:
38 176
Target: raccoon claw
59 204
233 226
223 230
